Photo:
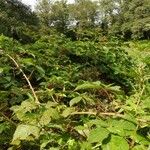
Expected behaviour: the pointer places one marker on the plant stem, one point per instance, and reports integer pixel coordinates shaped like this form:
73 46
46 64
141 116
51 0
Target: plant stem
29 83
94 113
9 120
106 114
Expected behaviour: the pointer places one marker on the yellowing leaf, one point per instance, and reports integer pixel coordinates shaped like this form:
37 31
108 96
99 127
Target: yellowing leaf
23 132
68 111
75 100
1 70
49 114
88 99
26 106
28 61
114 88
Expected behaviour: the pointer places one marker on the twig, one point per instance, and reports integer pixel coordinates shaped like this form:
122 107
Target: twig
2 107
30 74
139 98
33 92
142 120
7 119
94 113
106 114
110 99
84 113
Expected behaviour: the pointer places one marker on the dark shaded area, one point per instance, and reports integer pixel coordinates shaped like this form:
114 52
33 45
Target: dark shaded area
18 21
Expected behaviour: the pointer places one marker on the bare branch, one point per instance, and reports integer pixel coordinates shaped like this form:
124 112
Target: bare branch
7 119
106 114
29 83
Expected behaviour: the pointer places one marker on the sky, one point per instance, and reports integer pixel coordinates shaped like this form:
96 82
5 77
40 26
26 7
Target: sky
30 2
33 2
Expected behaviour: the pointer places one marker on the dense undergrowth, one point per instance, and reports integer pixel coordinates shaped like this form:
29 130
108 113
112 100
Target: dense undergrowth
83 95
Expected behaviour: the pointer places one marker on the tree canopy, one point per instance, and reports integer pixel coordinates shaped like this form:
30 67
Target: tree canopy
129 19
16 18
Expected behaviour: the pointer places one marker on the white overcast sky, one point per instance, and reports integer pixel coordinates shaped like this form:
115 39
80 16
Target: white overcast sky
29 2
33 2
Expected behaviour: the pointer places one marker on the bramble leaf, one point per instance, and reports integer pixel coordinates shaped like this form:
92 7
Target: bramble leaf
116 143
98 135
25 132
48 115
75 100
89 85
68 111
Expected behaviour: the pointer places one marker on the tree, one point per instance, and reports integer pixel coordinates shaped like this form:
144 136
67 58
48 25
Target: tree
59 17
108 14
137 19
127 18
43 10
84 12
16 18
53 14
131 19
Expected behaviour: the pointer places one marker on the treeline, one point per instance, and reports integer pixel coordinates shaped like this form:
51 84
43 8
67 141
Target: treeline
83 19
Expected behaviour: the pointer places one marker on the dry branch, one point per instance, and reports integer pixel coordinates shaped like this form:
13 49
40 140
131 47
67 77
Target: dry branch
29 83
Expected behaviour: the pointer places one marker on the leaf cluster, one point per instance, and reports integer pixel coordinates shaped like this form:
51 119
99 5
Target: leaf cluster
93 95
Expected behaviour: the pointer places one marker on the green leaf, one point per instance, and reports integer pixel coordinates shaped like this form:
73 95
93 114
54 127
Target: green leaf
68 111
88 99
139 147
98 135
86 146
146 103
75 100
28 61
41 72
114 88
1 70
25 132
121 127
141 139
4 127
21 111
48 115
90 85
83 130
116 143
98 123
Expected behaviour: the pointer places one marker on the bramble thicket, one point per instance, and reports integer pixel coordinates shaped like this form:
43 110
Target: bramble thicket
75 76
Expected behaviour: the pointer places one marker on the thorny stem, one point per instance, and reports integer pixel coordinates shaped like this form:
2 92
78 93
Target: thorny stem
106 114
94 113
29 83
9 120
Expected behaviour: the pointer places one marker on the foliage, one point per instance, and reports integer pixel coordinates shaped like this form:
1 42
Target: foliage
53 14
129 19
84 19
136 18
77 86
17 20
93 95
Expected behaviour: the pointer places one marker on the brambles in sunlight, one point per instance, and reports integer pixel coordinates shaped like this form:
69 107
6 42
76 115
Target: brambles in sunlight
69 77
93 95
